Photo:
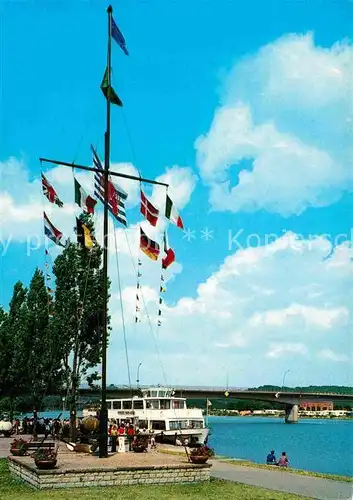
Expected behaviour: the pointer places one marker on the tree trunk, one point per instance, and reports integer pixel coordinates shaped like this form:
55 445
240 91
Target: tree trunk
35 422
11 409
73 412
74 387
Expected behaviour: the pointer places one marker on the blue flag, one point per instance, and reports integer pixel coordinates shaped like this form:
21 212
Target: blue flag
119 37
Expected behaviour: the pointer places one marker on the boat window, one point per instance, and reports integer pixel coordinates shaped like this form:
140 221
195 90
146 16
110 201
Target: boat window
178 424
161 394
109 405
178 404
153 404
196 424
138 404
116 405
158 425
143 424
165 404
154 394
127 405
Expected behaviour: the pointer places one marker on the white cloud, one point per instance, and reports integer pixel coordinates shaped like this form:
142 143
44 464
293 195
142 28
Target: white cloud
232 322
280 349
182 182
286 111
330 355
323 318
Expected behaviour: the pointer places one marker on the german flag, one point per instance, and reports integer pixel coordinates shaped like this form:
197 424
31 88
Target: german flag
148 246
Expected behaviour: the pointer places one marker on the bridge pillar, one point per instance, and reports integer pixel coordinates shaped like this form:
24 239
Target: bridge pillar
291 415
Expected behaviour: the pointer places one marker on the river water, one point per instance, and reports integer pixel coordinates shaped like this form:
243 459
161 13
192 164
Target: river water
312 444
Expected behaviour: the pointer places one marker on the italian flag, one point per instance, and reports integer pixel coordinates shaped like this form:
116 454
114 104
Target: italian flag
172 214
84 200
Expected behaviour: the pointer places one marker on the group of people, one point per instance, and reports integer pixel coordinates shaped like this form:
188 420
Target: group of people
45 426
281 462
127 429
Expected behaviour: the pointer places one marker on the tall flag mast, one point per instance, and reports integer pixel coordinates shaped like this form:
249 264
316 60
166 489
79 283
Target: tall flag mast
103 422
111 97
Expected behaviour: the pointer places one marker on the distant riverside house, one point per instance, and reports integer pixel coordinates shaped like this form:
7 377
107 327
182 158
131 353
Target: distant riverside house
317 406
268 412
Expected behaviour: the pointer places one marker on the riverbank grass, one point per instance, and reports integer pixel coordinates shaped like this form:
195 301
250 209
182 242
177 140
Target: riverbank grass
301 472
247 463
12 489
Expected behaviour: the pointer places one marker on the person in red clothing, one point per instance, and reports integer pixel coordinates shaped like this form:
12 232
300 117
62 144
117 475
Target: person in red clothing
121 438
283 460
130 435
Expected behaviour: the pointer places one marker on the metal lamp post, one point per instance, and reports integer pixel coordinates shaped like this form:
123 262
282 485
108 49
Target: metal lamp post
138 374
284 378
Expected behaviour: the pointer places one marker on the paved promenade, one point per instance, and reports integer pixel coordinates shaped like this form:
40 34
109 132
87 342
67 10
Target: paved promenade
312 487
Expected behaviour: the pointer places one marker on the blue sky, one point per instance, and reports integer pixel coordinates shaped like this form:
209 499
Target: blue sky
244 108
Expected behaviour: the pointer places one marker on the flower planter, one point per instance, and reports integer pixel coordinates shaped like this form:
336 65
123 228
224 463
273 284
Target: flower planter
45 464
18 452
139 448
199 459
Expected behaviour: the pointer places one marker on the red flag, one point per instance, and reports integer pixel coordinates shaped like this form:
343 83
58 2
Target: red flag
112 197
170 254
148 210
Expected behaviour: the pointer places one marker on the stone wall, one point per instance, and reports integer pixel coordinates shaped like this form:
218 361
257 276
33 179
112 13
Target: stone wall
49 479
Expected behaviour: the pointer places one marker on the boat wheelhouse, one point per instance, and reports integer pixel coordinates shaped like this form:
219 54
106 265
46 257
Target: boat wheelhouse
158 411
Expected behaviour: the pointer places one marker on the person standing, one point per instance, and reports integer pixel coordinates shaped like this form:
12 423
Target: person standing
130 435
153 441
113 437
121 439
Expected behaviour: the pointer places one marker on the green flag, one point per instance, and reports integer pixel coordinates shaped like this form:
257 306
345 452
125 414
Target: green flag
108 90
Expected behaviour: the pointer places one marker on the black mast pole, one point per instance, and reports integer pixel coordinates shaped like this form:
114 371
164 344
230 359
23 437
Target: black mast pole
103 437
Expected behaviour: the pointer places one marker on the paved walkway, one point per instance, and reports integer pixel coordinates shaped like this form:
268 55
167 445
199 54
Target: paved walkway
312 487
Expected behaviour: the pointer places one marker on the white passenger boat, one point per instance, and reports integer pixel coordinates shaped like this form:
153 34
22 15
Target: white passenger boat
158 411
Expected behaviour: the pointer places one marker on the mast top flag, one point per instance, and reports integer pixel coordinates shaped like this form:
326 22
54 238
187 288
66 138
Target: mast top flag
118 36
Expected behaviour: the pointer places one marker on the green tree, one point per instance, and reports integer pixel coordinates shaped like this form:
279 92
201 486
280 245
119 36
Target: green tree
43 361
78 316
16 333
5 351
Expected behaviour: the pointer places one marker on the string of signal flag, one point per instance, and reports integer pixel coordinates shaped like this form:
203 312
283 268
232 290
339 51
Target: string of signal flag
116 205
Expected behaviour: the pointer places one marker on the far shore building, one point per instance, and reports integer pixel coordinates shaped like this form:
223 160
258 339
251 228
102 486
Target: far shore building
317 406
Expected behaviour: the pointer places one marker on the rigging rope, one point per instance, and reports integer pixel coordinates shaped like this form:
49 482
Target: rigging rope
148 317
122 311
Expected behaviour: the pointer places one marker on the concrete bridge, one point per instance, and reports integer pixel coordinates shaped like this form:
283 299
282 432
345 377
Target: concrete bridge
290 400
